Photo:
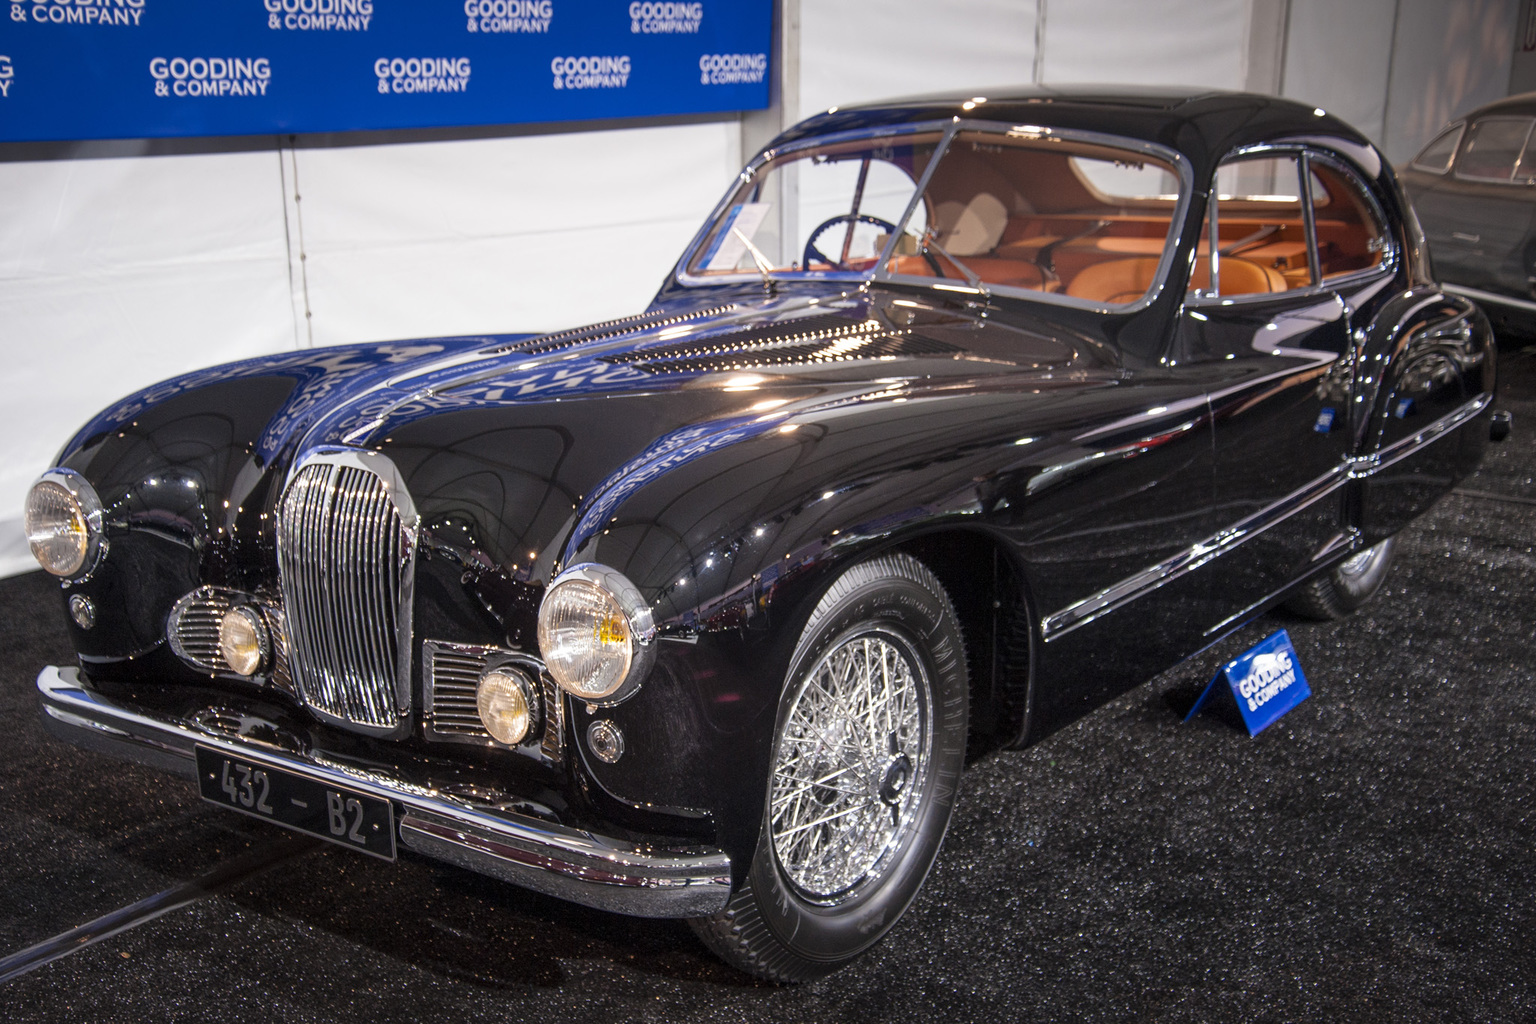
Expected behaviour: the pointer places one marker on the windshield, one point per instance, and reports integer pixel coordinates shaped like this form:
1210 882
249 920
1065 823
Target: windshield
1004 209
828 208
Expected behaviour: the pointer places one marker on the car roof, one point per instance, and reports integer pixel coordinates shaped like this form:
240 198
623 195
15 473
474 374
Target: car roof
1203 124
1523 103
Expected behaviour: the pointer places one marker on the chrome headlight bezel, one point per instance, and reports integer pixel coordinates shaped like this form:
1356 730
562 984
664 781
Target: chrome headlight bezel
625 597
89 508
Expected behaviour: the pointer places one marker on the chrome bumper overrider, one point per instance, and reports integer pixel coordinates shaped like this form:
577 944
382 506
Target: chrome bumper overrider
564 862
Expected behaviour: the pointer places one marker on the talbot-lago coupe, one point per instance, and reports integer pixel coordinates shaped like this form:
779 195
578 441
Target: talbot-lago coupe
959 417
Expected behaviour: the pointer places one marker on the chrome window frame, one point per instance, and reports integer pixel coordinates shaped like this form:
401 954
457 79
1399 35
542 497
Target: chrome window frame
755 166
1390 255
1306 151
950 128
1460 129
1170 243
1461 149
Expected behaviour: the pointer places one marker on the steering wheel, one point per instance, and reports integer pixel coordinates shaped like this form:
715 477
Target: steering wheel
843 218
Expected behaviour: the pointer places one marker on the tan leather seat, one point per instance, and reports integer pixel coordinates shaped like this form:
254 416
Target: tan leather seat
1238 277
1122 281
1114 281
991 270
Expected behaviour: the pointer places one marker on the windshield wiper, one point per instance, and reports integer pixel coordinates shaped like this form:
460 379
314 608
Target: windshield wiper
763 266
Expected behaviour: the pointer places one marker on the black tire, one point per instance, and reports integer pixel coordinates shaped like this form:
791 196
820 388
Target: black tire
812 903
1345 587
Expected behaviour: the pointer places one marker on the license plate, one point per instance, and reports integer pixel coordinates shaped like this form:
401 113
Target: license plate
341 816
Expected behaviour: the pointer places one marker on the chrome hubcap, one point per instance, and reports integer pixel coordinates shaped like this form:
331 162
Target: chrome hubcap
847 781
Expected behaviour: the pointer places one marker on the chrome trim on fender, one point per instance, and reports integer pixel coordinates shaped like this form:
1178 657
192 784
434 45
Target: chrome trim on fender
1149 579
1361 466
565 862
1493 298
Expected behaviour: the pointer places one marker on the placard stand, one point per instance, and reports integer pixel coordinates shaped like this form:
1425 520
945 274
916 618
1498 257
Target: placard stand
1265 681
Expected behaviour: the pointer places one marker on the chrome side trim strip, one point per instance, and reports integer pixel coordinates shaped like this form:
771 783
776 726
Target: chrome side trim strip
1149 579
1493 298
1361 466
569 863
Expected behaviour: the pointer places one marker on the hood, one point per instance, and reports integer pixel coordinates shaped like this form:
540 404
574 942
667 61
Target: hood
506 446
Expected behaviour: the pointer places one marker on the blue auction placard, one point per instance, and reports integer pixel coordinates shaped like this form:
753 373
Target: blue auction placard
1266 681
98 69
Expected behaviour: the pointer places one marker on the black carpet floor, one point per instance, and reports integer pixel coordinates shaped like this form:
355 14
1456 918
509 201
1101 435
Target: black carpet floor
1370 857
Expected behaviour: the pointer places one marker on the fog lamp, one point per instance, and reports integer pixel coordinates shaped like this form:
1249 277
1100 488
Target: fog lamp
596 634
63 522
505 699
243 640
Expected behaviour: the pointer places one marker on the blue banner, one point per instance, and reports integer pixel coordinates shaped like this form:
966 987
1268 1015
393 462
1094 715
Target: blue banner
99 69
1266 681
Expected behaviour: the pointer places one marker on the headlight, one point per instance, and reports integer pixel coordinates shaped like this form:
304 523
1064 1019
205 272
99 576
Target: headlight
505 700
63 522
243 640
596 634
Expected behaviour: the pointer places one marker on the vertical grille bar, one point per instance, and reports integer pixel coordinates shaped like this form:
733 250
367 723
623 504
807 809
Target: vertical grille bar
344 554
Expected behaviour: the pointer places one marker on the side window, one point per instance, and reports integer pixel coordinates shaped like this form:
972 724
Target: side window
1350 235
1261 234
1436 157
1493 150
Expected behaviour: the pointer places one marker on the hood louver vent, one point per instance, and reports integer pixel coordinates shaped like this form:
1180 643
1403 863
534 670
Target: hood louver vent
606 331
804 342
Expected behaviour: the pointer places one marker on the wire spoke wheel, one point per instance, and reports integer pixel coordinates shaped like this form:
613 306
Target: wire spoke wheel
860 780
850 765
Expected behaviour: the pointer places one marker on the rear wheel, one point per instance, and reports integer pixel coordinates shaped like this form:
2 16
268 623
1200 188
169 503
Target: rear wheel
1345 587
869 744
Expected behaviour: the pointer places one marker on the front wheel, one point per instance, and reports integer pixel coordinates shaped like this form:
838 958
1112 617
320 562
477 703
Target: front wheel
868 748
1345 587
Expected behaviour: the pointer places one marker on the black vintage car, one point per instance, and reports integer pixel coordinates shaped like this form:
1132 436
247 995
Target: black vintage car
1474 188
960 416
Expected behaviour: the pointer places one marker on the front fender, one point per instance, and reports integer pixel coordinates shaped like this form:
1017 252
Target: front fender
733 545
188 472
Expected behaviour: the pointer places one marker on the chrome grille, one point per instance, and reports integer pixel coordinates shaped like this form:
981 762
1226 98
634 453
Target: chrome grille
452 677
193 630
345 550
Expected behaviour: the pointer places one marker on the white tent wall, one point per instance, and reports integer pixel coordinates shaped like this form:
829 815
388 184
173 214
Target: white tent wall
123 269
118 272
1448 56
1339 57
516 234
1160 42
854 51
1399 69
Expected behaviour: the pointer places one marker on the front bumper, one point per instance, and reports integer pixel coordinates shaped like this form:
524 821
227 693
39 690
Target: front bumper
569 863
